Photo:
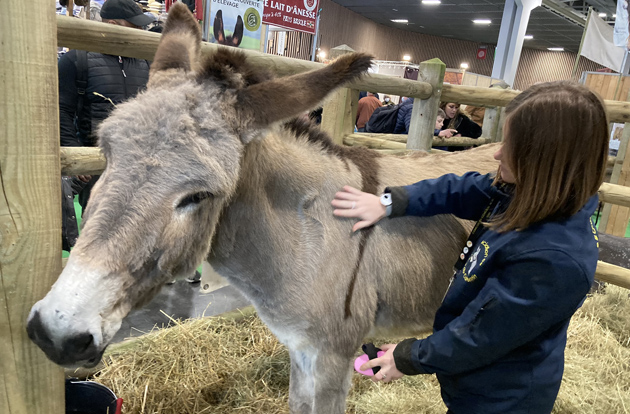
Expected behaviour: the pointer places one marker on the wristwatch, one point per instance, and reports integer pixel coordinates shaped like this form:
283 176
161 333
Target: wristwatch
386 200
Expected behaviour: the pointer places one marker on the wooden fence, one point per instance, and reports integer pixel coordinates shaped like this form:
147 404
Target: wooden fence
30 255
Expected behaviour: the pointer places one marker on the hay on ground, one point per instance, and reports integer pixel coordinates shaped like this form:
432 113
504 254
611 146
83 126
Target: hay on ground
235 365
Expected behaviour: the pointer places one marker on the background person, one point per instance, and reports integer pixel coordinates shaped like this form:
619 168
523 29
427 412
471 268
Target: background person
499 336
403 118
439 122
455 119
365 109
442 133
90 85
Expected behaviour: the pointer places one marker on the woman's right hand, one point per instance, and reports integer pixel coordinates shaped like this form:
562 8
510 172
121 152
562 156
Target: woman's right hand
447 133
354 203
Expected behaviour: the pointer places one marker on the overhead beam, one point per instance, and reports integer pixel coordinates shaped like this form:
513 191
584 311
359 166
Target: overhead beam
565 11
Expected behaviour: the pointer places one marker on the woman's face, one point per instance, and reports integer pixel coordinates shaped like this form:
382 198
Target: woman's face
451 109
507 175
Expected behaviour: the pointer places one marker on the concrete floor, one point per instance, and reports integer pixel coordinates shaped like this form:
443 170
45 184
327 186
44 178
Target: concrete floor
185 300
180 300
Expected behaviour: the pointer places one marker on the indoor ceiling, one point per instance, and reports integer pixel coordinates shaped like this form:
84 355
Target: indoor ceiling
555 24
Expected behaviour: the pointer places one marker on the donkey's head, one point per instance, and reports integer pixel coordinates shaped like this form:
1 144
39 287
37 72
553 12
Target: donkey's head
173 159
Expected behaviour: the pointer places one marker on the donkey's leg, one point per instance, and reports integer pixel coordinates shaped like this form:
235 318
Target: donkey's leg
332 376
301 383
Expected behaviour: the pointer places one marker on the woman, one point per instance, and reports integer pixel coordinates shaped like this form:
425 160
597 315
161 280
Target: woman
455 119
500 333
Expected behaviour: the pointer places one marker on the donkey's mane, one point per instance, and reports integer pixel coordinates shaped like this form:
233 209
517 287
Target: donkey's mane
363 158
230 68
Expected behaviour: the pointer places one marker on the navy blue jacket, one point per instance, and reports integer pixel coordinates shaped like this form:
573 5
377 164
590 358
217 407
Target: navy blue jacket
404 117
500 333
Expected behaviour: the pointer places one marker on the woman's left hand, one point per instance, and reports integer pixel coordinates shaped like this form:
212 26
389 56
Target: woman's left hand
388 371
353 203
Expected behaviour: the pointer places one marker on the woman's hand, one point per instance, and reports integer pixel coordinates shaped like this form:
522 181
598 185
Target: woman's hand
447 133
354 203
388 371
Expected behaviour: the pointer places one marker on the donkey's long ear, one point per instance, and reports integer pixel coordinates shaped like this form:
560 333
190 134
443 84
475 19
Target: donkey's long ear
179 45
267 102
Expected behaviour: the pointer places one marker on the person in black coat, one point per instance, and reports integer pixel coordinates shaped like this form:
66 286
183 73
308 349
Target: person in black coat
455 119
90 85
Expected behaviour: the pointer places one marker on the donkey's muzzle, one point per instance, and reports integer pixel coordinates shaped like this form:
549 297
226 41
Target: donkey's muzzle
76 349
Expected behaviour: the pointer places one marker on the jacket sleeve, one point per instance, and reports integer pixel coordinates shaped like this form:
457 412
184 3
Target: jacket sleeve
68 100
408 117
468 128
400 120
525 298
464 196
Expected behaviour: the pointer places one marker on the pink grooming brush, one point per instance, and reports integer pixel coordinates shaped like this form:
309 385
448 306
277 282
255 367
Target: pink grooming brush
371 352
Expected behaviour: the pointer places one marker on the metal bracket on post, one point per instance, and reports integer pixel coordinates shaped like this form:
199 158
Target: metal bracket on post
424 111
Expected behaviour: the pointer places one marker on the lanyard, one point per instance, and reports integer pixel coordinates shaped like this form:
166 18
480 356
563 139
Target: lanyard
475 234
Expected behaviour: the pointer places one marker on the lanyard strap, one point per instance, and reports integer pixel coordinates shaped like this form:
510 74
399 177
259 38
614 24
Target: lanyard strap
475 234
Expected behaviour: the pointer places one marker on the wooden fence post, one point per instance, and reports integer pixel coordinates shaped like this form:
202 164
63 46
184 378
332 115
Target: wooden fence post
424 112
30 205
614 219
491 119
340 113
340 109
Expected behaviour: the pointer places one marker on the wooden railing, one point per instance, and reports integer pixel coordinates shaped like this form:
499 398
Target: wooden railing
339 111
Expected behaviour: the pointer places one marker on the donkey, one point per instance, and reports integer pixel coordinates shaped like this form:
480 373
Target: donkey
237 36
211 171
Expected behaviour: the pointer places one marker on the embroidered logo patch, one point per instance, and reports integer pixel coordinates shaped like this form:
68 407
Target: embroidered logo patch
475 262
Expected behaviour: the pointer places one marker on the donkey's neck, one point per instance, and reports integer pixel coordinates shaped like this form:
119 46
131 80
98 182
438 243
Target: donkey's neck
278 220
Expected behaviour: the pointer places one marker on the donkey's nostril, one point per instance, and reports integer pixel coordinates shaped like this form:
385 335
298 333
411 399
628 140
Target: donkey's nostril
37 333
78 343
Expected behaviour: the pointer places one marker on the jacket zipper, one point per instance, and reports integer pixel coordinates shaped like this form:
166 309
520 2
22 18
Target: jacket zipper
122 69
450 283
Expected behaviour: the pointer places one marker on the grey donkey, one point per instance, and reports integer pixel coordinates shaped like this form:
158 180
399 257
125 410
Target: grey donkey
201 165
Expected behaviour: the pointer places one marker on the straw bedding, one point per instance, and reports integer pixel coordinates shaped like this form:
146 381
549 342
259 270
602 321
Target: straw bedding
235 365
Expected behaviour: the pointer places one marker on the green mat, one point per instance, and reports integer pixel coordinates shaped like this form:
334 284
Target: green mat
596 221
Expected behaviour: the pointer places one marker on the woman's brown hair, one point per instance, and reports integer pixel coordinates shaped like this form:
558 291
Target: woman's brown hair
453 120
556 145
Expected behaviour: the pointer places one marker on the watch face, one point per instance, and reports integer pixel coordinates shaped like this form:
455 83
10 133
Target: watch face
386 199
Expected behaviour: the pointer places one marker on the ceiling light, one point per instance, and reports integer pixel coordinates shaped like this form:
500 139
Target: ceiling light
602 15
400 20
528 37
407 58
556 49
614 16
464 65
482 21
431 1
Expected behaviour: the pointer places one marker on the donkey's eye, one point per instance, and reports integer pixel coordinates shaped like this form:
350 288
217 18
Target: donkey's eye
195 198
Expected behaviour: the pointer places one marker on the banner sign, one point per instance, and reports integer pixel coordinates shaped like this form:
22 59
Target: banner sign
236 23
482 52
297 15
598 46
621 25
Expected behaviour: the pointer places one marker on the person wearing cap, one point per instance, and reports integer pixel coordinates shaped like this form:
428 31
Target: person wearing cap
90 85
125 13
